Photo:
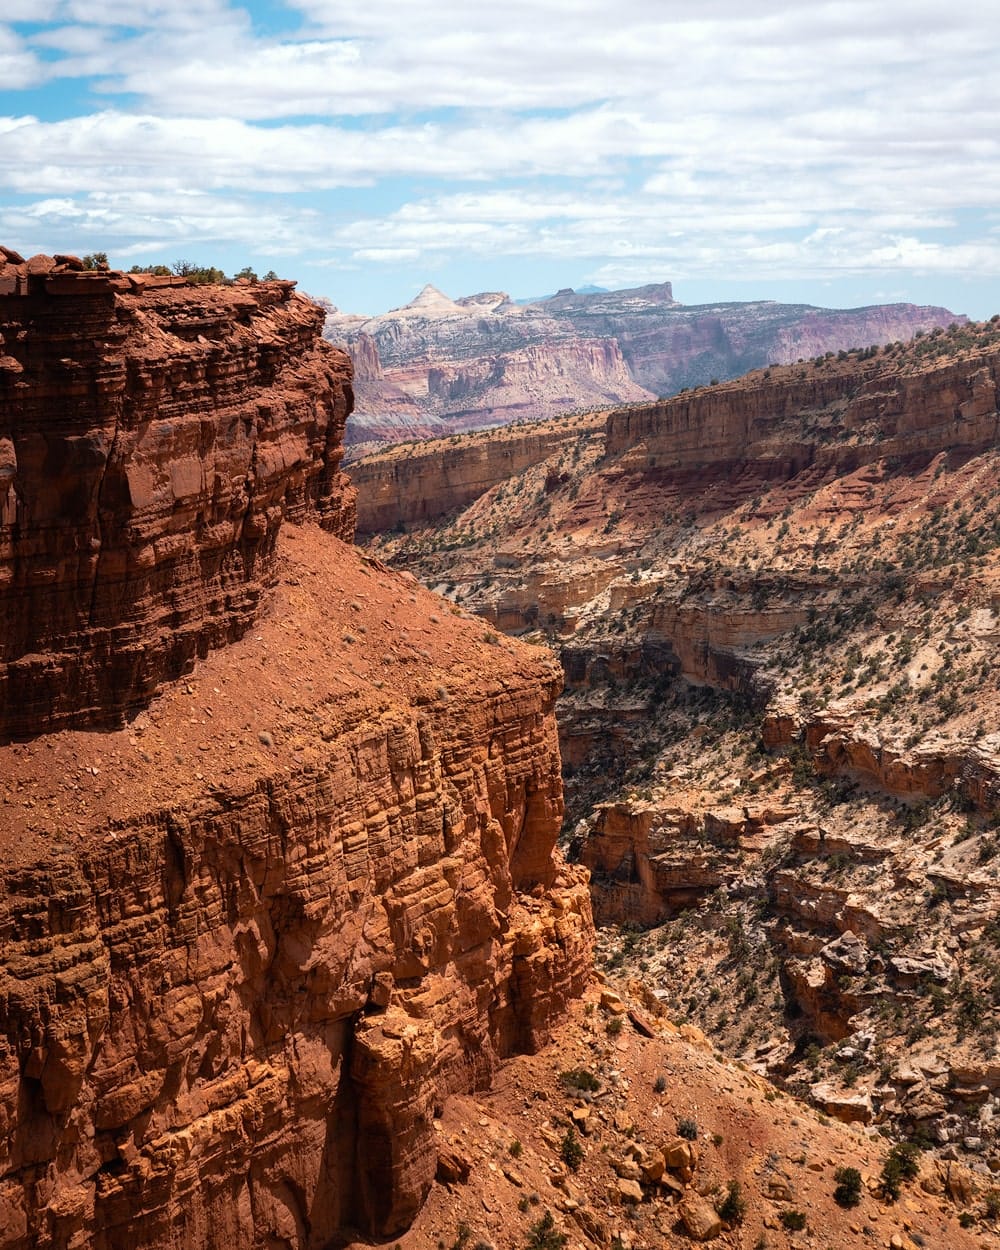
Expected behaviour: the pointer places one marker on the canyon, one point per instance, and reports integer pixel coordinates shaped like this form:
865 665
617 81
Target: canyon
438 366
775 604
290 955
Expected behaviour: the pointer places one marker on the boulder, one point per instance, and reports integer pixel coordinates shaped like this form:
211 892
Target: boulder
700 1218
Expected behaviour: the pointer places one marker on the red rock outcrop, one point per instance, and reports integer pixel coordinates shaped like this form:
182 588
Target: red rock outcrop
839 417
235 987
153 435
251 940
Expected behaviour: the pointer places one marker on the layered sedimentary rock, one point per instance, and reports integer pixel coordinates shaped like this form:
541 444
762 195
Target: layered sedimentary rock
408 484
839 418
252 939
152 436
438 365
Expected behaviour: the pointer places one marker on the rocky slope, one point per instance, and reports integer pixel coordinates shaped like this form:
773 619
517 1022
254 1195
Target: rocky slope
438 365
257 932
775 602
632 1131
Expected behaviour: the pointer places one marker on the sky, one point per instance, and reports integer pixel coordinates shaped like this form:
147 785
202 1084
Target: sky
837 153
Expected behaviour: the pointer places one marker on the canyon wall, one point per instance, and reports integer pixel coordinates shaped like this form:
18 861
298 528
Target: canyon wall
152 436
254 934
840 416
777 606
409 484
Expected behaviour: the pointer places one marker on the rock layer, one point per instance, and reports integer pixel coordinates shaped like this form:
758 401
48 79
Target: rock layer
408 485
152 438
776 604
234 990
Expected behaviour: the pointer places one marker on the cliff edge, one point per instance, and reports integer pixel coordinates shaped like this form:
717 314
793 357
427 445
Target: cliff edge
153 434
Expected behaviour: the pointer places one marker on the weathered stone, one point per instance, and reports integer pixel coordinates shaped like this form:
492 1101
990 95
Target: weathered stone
700 1218
679 1153
158 443
652 1166
629 1191
255 937
452 1166
845 1104
581 1118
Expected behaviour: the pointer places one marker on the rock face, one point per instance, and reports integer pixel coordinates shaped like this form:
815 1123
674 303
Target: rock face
407 485
253 939
151 438
439 365
852 417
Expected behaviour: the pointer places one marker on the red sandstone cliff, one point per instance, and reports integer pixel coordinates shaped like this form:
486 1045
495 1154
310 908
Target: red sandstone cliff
253 939
151 439
406 484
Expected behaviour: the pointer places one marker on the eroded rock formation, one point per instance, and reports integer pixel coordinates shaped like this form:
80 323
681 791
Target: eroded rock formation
413 484
439 365
255 936
152 436
776 605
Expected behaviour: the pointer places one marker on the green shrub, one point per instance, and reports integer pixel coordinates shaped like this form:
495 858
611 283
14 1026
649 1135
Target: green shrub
580 1078
794 1221
848 1191
687 1128
902 1164
733 1207
544 1235
570 1151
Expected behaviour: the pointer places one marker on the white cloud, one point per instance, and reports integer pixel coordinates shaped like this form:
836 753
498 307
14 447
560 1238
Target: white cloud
722 138
19 67
145 223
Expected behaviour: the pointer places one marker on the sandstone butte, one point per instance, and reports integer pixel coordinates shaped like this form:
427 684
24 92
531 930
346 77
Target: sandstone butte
278 825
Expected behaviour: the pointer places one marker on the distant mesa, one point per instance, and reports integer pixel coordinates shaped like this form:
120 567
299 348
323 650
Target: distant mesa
439 365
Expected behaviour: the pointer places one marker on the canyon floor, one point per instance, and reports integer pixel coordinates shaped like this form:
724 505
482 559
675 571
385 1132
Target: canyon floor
776 606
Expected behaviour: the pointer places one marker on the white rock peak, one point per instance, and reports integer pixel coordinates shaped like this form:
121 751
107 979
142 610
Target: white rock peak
431 301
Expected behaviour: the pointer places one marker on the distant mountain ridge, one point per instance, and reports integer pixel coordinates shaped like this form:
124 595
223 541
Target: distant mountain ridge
439 365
